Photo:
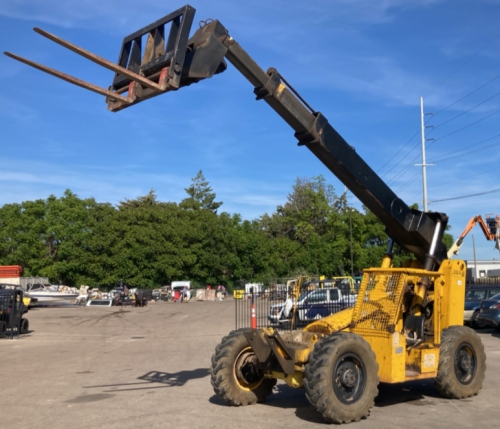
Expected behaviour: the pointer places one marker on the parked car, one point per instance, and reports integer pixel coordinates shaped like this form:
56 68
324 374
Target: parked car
312 305
490 312
473 297
99 302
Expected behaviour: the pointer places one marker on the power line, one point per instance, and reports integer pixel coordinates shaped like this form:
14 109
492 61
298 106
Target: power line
447 135
466 196
472 145
405 185
447 107
470 93
466 111
445 157
413 178
467 126
398 152
463 178
404 170
466 153
463 65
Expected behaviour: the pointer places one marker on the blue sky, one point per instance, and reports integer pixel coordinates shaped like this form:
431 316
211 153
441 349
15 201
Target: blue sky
363 63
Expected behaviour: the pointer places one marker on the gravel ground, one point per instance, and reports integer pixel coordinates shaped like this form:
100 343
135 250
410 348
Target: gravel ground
111 368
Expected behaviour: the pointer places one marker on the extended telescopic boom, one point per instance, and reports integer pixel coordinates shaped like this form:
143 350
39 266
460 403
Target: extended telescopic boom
152 63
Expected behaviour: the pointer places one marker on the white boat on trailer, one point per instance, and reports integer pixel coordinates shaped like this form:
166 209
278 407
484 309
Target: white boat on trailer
48 294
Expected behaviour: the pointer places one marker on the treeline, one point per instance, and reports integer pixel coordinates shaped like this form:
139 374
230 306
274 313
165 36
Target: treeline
148 243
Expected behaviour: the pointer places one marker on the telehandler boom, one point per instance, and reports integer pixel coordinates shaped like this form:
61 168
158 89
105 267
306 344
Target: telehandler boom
406 323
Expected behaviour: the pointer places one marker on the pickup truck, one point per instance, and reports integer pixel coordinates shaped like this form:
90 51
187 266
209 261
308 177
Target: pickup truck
312 305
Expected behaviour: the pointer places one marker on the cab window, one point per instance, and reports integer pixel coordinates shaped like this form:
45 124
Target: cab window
475 294
334 294
318 296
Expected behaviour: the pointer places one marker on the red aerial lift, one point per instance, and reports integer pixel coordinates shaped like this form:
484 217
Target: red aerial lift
490 228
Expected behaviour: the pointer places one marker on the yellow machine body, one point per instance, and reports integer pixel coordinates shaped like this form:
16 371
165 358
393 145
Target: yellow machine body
385 298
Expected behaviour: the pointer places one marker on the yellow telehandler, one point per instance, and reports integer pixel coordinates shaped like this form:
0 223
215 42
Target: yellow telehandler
406 323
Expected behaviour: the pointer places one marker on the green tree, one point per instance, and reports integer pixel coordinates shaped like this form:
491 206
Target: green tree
147 200
200 195
74 226
22 236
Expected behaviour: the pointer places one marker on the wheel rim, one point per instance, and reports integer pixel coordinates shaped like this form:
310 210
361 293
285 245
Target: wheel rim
479 323
349 378
245 370
465 363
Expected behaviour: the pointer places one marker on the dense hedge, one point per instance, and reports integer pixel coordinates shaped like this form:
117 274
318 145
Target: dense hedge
148 243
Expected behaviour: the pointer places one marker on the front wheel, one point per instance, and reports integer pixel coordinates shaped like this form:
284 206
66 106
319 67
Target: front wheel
234 373
478 324
462 363
341 378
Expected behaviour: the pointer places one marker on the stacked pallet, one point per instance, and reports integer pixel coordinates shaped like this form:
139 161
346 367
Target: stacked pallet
10 271
205 295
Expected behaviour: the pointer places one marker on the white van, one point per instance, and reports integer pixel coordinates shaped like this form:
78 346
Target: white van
257 287
180 285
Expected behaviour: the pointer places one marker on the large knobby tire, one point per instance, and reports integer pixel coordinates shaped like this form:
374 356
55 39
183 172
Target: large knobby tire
234 374
462 363
341 378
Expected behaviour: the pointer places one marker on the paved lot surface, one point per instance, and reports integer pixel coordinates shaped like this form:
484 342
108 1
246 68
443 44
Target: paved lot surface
112 368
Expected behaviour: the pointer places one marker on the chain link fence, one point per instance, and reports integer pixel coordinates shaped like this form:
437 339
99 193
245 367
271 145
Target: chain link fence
277 310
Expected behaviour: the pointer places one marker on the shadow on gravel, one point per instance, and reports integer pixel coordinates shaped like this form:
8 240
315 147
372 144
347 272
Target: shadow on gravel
285 397
148 380
492 331
418 393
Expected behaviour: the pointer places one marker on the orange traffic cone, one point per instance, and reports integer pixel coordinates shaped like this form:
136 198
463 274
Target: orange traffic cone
253 318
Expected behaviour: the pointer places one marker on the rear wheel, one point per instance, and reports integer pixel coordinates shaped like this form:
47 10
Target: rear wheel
234 373
462 363
341 378
24 327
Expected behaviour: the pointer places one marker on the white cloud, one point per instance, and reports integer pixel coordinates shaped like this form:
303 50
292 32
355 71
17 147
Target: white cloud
28 180
70 13
17 110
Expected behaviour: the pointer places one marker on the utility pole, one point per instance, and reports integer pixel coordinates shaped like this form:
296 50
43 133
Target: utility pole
350 228
474 253
424 165
422 131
